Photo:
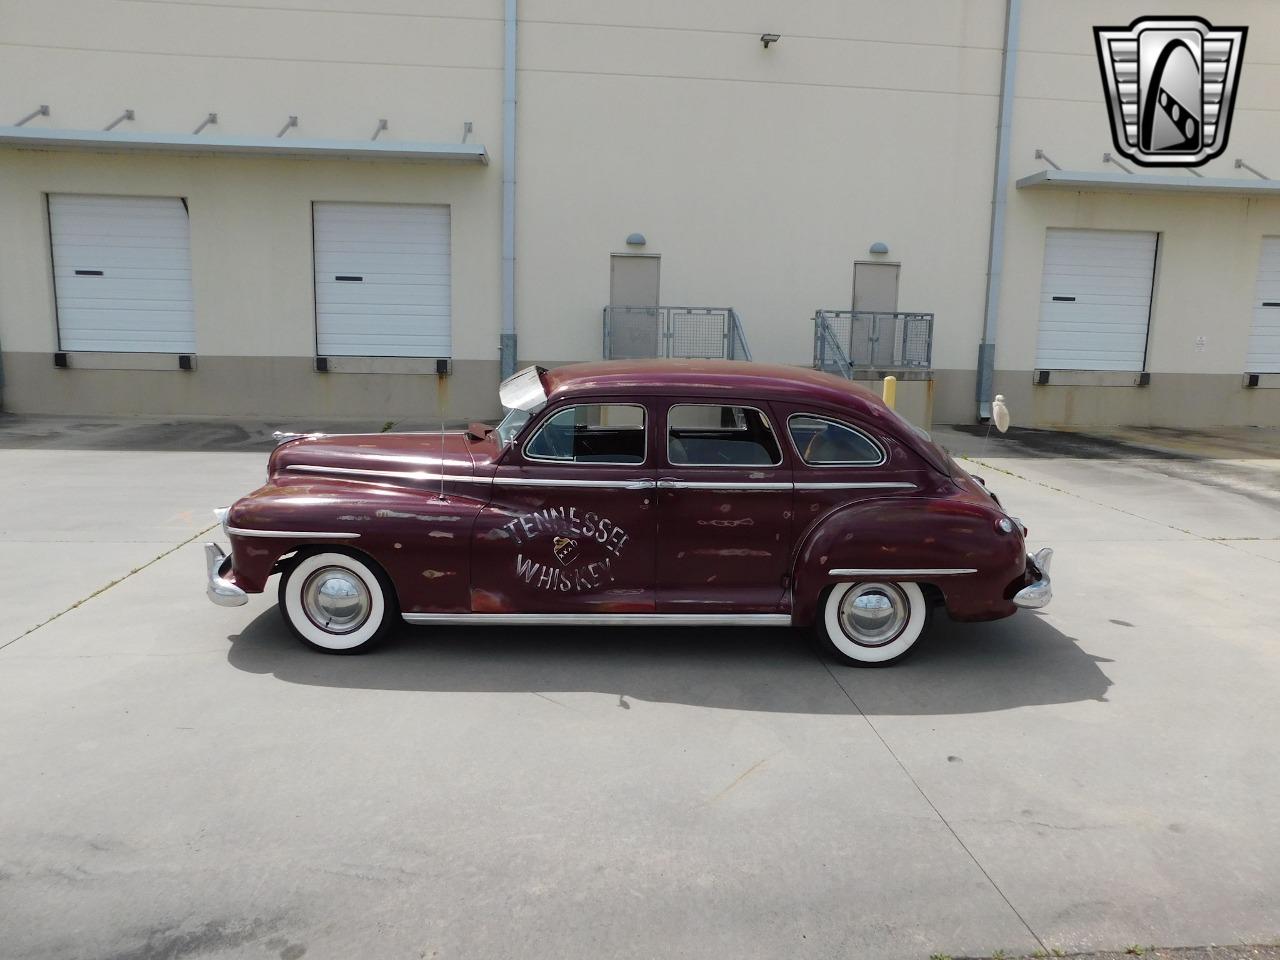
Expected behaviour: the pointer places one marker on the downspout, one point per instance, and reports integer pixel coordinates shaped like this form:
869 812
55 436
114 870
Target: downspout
995 247
507 342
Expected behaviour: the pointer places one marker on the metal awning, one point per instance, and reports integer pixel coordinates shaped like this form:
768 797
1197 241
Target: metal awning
114 141
1145 182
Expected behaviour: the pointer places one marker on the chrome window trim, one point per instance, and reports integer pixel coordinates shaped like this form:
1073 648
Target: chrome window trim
843 464
607 619
292 534
722 466
921 572
524 448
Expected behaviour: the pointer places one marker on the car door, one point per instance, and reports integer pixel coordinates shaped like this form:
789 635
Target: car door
724 509
570 524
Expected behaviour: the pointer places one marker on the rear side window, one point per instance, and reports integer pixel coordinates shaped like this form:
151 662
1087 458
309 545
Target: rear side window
824 443
710 435
591 433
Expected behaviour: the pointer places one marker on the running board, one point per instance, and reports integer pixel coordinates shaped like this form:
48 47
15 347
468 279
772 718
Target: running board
607 619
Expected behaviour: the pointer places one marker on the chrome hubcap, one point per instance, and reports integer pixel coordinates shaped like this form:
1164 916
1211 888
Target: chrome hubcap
873 614
336 600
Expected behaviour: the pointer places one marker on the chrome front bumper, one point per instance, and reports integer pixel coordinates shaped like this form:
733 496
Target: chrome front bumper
1037 594
221 591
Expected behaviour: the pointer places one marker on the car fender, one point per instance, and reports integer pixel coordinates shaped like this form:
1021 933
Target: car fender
921 539
421 539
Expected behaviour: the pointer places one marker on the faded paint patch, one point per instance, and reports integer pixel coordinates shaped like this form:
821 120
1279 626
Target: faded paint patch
437 574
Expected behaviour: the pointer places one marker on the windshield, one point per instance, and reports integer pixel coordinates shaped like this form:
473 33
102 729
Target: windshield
521 395
512 424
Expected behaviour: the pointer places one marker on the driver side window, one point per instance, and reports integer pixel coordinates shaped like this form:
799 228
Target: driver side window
591 433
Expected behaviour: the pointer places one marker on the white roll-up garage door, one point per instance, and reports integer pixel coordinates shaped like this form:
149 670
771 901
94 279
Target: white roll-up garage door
1095 299
1264 337
382 280
122 273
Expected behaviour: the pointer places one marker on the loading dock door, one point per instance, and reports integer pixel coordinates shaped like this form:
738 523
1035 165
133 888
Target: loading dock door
122 274
1264 337
382 280
1095 299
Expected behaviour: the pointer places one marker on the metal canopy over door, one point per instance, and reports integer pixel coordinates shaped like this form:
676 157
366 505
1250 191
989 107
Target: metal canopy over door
382 280
1095 299
634 283
122 274
1264 337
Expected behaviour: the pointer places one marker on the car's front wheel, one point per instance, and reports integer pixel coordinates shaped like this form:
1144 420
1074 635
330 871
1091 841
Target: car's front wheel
872 623
337 602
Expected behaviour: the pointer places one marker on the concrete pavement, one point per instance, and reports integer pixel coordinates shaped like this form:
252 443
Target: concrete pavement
185 780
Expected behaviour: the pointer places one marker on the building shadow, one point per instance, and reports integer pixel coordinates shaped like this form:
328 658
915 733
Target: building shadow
959 668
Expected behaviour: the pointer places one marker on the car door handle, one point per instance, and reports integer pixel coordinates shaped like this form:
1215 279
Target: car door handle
638 485
667 483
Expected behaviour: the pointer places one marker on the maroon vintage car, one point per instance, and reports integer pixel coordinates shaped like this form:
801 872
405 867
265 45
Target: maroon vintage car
635 492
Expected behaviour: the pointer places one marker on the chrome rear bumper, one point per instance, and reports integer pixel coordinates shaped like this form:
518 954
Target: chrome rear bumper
1038 594
221 591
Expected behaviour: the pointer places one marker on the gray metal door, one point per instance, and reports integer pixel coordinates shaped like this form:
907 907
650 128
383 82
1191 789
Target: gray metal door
634 327
875 290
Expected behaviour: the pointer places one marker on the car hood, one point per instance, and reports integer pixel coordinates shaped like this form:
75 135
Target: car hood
375 456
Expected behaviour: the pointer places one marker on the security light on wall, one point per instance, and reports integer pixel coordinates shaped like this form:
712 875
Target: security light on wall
768 38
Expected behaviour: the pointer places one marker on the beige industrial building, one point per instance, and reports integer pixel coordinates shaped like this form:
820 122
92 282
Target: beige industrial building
370 208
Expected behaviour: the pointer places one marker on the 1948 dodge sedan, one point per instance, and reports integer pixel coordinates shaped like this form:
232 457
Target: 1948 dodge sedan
635 492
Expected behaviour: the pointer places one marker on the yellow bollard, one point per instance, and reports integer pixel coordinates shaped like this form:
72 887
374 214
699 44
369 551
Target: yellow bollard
890 391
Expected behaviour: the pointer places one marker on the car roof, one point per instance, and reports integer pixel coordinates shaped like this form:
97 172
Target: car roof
712 378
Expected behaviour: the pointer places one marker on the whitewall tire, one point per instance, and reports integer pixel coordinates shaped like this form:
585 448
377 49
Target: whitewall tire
873 623
337 602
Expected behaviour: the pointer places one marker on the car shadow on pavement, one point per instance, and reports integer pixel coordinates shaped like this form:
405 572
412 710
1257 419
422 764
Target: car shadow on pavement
959 668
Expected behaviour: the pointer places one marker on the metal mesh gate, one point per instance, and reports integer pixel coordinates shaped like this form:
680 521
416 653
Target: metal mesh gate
707 333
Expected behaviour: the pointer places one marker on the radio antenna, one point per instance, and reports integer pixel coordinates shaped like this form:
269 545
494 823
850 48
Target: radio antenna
441 497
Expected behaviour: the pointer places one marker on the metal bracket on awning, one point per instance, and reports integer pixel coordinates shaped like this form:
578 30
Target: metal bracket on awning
291 122
1110 158
1041 155
211 118
40 111
1257 173
382 125
127 115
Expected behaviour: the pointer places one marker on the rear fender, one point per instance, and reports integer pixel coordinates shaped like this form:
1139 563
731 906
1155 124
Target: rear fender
912 534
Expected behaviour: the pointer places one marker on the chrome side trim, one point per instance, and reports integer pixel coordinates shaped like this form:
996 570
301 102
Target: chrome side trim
919 572
668 483
551 482
222 592
392 474
293 534
1038 594
607 619
870 485
423 475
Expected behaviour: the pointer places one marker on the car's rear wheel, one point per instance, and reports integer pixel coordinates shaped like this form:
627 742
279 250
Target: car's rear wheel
872 623
337 602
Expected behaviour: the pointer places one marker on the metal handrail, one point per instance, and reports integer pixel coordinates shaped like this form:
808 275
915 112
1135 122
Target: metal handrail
633 332
737 339
850 340
828 355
